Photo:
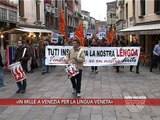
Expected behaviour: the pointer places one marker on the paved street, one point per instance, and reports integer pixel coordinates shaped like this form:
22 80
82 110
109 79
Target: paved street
106 84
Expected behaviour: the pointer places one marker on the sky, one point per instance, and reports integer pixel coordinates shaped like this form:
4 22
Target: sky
97 8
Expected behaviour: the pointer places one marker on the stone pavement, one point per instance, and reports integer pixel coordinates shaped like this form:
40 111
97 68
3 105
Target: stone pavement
106 84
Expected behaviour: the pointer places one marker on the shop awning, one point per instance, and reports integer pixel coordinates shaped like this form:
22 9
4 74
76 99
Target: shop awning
25 29
143 29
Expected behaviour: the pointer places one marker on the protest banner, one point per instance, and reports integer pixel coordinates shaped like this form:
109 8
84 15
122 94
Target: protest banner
95 56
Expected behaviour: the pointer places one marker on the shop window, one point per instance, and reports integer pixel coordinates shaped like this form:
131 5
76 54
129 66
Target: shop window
157 6
142 7
21 8
56 3
56 23
127 11
52 21
47 20
38 10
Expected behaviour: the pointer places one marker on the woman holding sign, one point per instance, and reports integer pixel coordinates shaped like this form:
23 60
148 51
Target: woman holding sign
76 56
22 56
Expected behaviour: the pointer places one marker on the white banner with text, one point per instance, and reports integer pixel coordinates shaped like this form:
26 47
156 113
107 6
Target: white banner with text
95 56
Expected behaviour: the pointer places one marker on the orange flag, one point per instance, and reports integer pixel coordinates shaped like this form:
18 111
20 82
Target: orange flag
62 24
79 34
110 35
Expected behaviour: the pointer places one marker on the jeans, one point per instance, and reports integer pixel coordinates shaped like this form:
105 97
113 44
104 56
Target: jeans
1 76
29 64
154 61
44 67
76 81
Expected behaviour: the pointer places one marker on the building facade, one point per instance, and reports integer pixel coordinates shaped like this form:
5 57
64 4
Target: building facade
73 15
31 13
85 19
143 23
89 24
8 20
49 14
149 14
92 25
111 13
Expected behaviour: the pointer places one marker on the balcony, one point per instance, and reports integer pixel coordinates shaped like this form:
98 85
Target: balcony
8 15
48 8
125 24
77 14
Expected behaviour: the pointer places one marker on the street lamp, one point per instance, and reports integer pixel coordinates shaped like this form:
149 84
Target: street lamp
2 36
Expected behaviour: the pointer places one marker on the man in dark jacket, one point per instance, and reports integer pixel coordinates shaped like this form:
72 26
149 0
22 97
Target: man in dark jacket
135 44
18 57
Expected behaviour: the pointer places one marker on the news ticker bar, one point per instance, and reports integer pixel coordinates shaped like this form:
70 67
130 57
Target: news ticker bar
78 101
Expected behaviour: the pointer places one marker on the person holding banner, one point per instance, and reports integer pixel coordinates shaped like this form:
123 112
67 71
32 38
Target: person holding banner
76 56
22 55
94 68
135 43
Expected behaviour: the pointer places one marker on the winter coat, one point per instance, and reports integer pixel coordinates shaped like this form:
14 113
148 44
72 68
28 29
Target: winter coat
18 57
77 57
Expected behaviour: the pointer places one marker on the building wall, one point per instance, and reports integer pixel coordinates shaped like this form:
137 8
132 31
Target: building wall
130 11
117 10
92 23
8 8
147 41
150 15
30 13
85 25
86 19
111 13
73 14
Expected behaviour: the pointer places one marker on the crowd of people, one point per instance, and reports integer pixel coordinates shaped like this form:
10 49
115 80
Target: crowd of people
35 57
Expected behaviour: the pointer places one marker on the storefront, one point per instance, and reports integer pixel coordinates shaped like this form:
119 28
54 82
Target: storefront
30 35
148 35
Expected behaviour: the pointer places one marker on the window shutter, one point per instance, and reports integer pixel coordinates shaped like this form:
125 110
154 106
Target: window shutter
21 8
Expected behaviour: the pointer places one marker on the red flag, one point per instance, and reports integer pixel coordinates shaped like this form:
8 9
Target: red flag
62 24
79 34
110 35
